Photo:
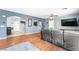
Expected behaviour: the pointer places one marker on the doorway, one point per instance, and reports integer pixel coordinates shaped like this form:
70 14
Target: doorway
16 26
23 26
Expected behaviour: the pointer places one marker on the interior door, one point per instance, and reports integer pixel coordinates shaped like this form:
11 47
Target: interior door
22 26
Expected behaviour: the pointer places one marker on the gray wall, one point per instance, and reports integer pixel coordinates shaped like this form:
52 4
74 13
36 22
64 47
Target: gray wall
2 26
58 22
3 21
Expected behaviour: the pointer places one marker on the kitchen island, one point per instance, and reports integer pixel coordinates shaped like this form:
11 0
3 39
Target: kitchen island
68 39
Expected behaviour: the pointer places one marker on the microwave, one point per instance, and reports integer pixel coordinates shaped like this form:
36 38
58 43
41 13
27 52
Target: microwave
69 22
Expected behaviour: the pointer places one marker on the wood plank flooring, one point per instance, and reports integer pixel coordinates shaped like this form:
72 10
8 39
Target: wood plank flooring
35 39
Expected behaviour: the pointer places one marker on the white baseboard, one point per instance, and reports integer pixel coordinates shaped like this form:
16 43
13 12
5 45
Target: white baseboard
31 33
2 38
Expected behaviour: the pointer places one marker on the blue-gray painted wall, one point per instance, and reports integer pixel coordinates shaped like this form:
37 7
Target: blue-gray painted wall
3 21
2 29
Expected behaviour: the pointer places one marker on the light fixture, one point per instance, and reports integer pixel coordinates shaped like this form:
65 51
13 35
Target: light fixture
64 8
3 15
2 26
51 17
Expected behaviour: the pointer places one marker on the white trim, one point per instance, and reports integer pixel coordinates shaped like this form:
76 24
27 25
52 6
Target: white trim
1 38
32 33
15 35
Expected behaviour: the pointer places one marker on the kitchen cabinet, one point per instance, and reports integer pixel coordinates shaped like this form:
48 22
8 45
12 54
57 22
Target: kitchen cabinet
57 37
46 35
53 36
71 39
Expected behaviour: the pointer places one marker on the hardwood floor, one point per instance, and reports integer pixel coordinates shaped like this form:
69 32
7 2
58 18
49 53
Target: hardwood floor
35 39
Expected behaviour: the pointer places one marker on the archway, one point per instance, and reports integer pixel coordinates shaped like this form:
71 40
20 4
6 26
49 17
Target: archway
15 26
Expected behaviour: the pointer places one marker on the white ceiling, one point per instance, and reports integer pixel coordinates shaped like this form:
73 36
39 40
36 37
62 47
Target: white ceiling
43 12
